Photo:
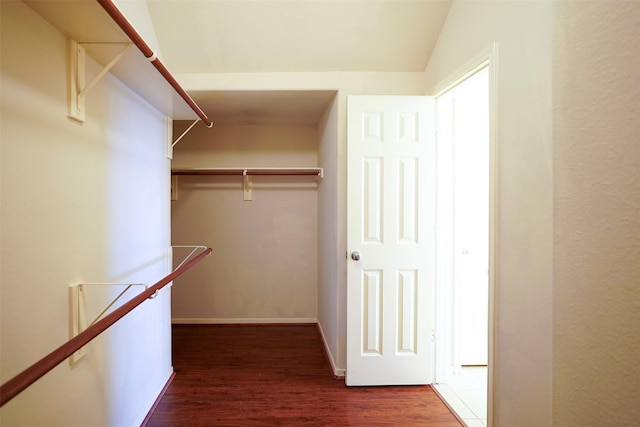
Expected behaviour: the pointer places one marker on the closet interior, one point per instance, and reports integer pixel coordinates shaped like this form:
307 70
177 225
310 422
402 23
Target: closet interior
249 187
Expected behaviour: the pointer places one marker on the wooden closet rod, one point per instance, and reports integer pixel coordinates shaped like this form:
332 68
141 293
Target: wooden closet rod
250 171
137 39
30 375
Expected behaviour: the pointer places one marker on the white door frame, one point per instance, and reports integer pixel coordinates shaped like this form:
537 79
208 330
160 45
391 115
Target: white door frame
488 57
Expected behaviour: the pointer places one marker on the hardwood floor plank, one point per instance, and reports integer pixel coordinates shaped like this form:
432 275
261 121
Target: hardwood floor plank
277 375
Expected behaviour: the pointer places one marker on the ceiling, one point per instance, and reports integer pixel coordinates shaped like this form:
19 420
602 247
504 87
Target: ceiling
252 36
246 36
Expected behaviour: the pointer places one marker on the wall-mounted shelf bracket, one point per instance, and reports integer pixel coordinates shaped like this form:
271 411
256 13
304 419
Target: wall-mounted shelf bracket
185 132
78 87
194 249
78 310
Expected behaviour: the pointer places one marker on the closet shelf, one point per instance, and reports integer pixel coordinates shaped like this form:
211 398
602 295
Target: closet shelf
250 171
102 29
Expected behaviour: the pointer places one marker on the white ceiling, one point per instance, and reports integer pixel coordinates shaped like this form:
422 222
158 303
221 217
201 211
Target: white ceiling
248 36
238 36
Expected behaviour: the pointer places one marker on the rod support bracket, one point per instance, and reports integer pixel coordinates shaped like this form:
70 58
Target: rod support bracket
76 76
195 122
75 81
78 310
247 186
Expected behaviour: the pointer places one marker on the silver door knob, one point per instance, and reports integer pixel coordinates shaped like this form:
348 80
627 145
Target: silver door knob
355 255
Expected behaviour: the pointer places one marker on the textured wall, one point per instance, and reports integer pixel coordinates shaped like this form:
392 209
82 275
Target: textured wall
524 241
596 309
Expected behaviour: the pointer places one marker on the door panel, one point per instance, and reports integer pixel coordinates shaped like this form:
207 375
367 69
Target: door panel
372 194
390 301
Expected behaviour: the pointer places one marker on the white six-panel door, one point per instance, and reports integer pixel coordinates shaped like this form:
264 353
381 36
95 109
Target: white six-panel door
390 239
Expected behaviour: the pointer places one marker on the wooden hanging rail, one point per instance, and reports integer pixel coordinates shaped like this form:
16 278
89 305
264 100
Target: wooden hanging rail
17 384
119 18
250 171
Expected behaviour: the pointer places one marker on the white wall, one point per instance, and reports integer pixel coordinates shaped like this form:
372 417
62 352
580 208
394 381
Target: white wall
596 154
80 202
524 229
327 232
264 266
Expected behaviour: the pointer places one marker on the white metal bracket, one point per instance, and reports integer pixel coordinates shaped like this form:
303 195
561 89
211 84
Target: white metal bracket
247 185
185 259
169 137
77 318
77 76
78 310
174 188
184 133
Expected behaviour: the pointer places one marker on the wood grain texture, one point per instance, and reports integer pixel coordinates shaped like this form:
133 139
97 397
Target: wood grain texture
277 375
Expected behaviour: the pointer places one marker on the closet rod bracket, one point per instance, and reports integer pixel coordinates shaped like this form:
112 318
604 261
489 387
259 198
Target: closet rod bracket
195 122
78 310
78 87
247 186
194 249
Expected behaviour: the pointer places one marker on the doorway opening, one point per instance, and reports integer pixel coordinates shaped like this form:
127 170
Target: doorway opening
463 245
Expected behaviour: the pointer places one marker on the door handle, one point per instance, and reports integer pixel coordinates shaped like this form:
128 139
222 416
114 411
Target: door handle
355 255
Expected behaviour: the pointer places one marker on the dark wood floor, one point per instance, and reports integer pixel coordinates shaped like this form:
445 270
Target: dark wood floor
278 375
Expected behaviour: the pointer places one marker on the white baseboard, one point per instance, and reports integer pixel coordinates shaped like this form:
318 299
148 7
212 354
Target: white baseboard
233 321
338 372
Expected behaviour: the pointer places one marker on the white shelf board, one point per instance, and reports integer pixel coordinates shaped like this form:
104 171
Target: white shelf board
87 21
